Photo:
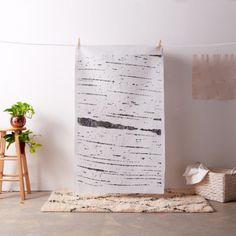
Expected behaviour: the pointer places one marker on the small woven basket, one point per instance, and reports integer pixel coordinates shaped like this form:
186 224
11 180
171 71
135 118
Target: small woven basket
218 185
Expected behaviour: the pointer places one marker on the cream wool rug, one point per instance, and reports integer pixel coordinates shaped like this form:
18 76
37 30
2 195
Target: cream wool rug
62 201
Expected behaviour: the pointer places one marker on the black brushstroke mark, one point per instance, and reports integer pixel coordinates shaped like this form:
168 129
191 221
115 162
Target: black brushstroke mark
90 69
159 119
134 175
121 117
143 178
101 180
134 147
155 55
113 164
121 174
130 184
156 131
94 123
146 153
141 57
129 64
96 169
139 175
149 112
110 144
94 157
136 94
135 77
93 85
80 181
121 114
94 94
85 103
149 90
136 104
143 135
107 172
89 141
92 79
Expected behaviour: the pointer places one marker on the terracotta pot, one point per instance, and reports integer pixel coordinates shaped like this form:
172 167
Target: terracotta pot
18 121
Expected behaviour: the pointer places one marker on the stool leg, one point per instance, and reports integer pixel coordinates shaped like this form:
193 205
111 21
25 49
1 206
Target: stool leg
26 173
2 153
20 171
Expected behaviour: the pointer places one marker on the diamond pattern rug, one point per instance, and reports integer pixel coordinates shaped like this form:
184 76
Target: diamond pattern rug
65 201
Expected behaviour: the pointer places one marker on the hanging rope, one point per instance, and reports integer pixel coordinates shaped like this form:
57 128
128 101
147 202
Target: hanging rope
38 44
202 45
74 45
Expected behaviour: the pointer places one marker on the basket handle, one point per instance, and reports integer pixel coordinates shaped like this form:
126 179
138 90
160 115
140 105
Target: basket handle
233 171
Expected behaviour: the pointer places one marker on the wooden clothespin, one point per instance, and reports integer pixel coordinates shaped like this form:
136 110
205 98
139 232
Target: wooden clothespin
78 42
159 46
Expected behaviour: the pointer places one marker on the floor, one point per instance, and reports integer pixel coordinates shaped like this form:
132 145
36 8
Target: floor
18 219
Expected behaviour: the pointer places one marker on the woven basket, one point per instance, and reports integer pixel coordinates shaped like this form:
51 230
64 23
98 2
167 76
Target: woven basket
218 185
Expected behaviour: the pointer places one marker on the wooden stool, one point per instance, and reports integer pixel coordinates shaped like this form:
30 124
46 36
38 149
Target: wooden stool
20 157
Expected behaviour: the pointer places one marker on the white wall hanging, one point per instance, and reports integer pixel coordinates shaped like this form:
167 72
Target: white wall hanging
120 137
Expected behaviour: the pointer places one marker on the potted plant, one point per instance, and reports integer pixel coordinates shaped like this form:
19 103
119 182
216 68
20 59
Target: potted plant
26 138
18 112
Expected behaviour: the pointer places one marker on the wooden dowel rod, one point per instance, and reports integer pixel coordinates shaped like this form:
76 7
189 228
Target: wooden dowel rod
11 175
9 180
8 159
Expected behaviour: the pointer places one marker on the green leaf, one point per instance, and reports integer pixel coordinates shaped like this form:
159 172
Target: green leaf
20 109
10 138
25 137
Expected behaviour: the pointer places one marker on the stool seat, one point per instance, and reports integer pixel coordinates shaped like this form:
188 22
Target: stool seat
22 176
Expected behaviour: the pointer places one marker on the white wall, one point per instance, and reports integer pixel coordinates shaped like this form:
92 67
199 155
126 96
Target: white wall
44 76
